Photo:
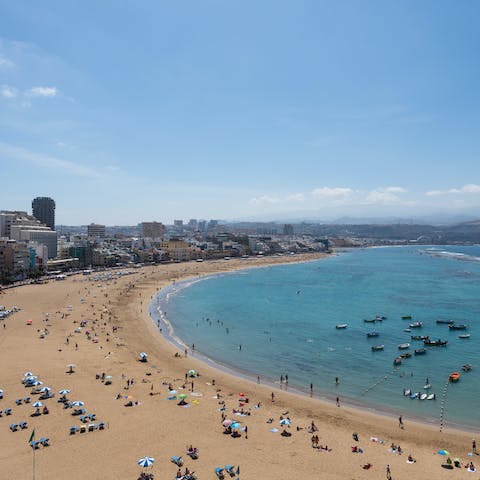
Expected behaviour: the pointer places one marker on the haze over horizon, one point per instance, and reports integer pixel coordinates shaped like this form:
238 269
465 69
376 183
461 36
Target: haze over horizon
154 111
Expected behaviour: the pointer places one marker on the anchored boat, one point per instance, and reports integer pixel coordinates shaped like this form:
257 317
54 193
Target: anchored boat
376 348
454 377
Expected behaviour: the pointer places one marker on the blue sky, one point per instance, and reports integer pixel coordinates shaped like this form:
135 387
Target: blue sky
134 111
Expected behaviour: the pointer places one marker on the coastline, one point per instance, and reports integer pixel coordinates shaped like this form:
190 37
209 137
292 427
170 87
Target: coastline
160 428
168 333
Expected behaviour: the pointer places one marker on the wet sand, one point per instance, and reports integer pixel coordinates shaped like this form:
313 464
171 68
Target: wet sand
159 427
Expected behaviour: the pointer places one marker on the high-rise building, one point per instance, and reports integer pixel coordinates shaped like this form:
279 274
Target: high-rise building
95 230
152 229
43 209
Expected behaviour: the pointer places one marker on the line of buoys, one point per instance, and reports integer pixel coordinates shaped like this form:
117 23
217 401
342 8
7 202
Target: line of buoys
383 379
442 405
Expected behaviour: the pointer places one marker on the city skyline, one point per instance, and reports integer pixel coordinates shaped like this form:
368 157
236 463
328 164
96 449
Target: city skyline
156 111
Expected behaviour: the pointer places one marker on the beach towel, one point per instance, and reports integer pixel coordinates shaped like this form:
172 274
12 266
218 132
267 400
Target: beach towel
274 430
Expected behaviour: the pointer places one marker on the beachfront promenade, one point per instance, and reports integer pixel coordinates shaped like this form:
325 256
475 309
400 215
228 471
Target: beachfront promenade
85 334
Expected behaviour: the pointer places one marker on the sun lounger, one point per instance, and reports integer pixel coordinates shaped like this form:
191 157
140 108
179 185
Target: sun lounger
13 427
101 426
92 427
18 401
219 473
177 460
26 400
83 428
45 442
74 430
79 411
230 469
8 411
93 416
23 425
35 444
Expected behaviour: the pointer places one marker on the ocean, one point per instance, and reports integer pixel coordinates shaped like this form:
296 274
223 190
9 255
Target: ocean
281 320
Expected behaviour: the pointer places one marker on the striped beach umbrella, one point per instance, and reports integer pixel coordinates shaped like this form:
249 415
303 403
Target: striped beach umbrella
45 389
37 404
146 462
64 391
77 403
28 374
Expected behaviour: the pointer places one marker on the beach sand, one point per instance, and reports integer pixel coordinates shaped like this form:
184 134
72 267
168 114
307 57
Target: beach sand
158 427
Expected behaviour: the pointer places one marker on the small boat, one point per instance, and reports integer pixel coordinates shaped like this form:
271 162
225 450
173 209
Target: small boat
464 335
397 361
369 320
416 325
403 346
461 326
405 355
414 395
427 386
376 348
419 337
408 330
341 326
454 377
467 367
406 317
445 322
423 396
407 392
372 334
420 351
431 396
435 343
380 317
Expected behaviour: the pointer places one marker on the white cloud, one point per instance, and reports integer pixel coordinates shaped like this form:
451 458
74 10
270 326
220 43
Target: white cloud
42 92
264 199
466 189
295 197
384 195
59 165
8 92
6 63
329 192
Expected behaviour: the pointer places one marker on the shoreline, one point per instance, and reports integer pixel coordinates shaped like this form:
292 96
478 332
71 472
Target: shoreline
243 374
120 326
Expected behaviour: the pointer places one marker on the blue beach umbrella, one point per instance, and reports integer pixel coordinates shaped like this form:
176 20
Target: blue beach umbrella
77 403
146 462
172 392
64 391
37 404
45 389
443 452
285 421
28 374
235 425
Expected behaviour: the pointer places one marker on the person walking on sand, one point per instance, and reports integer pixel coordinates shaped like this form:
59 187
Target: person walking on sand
338 401
273 397
400 422
474 446
389 473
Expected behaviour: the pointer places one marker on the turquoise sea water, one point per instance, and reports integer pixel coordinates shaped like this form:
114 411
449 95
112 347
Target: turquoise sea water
284 318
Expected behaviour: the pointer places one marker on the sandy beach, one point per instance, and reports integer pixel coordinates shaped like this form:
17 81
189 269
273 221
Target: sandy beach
116 328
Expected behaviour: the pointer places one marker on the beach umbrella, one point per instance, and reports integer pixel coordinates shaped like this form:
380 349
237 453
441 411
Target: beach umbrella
227 423
182 396
172 392
108 377
143 354
192 373
37 404
242 394
146 462
77 403
64 391
28 374
38 382
285 421
443 452
235 425
71 365
45 389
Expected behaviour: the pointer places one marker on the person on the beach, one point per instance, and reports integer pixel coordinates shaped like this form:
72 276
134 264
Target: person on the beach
338 401
400 422
474 446
273 397
389 473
